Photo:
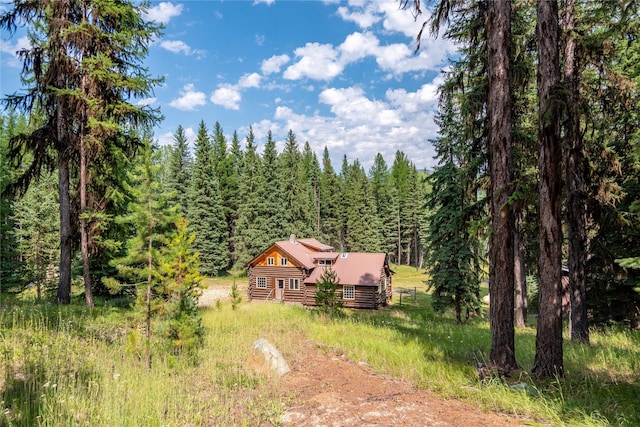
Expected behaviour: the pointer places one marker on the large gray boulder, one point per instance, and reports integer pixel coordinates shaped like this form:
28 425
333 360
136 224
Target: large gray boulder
265 359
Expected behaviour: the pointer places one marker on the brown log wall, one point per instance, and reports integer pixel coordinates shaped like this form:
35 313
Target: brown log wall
272 273
365 297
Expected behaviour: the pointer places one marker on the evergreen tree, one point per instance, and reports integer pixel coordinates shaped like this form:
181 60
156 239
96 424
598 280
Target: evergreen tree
330 202
453 277
205 210
233 192
36 221
223 162
362 225
548 360
271 214
385 201
83 66
181 279
345 171
249 237
152 219
608 82
403 178
575 172
295 190
311 176
9 255
179 176
328 298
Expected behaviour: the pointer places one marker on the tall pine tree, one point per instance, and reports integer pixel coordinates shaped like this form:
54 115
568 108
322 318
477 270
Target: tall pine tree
206 214
179 173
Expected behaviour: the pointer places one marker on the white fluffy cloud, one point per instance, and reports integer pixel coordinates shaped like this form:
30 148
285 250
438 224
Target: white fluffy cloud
364 17
325 62
189 100
227 96
274 64
317 61
250 80
163 12
176 46
360 127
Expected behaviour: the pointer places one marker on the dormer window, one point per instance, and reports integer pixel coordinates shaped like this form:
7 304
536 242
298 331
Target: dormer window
283 261
325 262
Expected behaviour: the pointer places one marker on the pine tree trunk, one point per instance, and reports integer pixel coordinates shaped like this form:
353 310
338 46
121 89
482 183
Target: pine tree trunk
520 274
399 240
575 173
84 232
548 358
498 27
64 285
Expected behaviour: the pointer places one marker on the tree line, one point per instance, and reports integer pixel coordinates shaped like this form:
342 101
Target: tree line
239 201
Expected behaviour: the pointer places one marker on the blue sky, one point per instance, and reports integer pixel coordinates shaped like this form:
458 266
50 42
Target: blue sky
339 74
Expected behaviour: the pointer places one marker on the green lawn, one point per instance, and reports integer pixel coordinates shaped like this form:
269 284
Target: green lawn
71 366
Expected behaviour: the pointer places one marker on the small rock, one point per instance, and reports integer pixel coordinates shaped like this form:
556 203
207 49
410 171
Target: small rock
265 359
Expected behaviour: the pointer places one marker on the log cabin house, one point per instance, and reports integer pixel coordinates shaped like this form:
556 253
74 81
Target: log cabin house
288 271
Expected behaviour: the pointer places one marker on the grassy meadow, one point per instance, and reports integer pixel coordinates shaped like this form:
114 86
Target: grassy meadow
63 366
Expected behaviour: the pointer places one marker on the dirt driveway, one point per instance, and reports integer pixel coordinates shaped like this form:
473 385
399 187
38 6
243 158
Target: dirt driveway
327 389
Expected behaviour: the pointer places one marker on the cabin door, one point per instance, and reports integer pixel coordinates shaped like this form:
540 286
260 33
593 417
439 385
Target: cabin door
279 288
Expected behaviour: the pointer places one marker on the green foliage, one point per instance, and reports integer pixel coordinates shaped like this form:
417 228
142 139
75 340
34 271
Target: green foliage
330 203
181 290
385 197
328 298
179 170
451 258
270 215
407 189
36 217
629 262
250 236
295 188
161 262
236 298
9 254
362 225
206 212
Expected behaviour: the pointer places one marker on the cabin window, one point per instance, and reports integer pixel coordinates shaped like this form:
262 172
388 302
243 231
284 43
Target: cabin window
283 261
294 284
349 292
324 262
271 261
261 282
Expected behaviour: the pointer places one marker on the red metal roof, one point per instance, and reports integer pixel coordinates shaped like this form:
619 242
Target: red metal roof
314 244
354 268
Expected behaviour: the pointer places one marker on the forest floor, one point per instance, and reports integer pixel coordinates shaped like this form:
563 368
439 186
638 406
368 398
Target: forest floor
325 388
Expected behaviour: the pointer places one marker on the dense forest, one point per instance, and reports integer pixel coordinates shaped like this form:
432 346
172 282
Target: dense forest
237 201
539 170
